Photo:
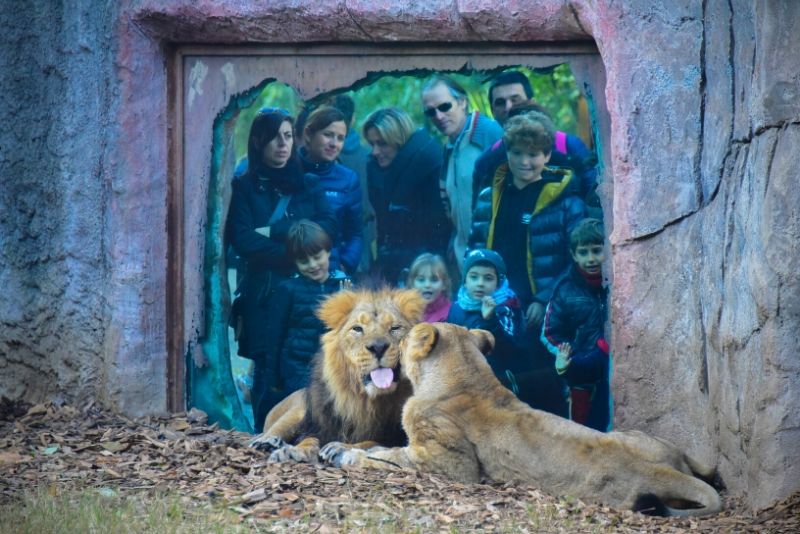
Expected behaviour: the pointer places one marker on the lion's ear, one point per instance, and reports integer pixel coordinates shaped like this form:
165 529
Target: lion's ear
421 340
483 339
410 302
334 310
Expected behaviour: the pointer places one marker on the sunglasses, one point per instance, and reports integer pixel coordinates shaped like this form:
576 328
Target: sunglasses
444 108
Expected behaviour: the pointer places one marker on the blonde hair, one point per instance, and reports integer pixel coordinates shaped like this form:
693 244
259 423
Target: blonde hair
392 124
437 266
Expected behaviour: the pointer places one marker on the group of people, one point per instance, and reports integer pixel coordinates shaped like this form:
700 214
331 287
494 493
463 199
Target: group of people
492 229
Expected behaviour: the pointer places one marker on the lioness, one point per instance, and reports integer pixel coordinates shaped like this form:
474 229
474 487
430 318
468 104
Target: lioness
357 391
463 423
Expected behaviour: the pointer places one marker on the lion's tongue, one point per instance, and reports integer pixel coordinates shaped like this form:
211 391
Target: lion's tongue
382 377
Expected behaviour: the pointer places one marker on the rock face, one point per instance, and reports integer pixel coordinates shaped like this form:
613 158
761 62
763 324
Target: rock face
700 196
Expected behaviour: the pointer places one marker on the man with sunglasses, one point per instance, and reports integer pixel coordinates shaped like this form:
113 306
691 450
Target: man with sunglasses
444 101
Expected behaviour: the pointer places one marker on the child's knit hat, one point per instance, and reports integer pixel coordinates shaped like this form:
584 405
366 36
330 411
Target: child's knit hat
485 255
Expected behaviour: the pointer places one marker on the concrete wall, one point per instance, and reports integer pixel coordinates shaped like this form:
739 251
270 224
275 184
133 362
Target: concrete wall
705 121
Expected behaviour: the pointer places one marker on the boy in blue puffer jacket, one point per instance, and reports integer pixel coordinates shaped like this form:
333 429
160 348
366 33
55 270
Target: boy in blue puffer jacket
573 329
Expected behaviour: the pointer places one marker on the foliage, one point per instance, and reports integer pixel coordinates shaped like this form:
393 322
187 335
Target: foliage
554 88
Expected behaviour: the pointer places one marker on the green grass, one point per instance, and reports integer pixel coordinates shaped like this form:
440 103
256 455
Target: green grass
91 511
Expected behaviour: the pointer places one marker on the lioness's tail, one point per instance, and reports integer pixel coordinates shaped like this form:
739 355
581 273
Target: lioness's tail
684 495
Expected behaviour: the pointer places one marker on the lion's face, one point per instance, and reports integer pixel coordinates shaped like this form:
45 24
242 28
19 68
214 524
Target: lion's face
362 347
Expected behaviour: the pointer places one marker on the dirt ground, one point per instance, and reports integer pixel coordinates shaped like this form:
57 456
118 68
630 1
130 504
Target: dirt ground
45 446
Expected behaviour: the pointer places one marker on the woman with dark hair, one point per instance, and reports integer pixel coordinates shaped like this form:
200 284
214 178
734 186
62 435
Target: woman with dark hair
265 202
323 137
403 176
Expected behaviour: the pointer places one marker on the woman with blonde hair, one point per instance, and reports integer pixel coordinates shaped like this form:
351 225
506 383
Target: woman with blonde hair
403 176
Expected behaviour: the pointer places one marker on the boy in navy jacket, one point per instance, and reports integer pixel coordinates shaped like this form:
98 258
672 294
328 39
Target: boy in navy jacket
486 301
573 329
293 330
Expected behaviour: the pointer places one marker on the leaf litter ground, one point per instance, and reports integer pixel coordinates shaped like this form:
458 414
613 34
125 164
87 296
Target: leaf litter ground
62 449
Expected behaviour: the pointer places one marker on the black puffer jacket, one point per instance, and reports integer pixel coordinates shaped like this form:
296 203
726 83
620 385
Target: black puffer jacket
408 207
265 262
576 315
293 329
552 217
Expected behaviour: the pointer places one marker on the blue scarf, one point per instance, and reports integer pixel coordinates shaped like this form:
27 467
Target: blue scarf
502 294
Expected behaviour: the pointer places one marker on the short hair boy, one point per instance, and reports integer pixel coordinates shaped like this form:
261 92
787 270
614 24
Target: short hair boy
486 301
293 330
573 328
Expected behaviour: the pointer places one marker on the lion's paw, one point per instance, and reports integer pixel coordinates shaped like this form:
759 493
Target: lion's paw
338 454
291 453
267 443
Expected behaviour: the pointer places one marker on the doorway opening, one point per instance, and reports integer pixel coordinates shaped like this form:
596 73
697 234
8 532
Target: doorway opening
566 82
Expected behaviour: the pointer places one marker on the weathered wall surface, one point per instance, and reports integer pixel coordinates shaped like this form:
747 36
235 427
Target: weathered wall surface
705 121
55 71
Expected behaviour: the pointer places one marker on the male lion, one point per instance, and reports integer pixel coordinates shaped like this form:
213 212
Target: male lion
357 392
463 423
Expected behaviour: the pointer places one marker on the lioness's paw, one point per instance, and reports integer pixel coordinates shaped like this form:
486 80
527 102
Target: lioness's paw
267 443
338 454
291 453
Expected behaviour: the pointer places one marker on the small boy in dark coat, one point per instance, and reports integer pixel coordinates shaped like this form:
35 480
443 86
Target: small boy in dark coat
573 328
486 301
293 329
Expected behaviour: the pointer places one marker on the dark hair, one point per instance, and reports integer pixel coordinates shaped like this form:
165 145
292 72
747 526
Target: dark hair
344 104
321 118
263 130
512 77
588 231
306 238
455 88
525 107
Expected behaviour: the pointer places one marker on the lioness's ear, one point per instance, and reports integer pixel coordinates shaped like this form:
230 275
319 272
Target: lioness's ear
483 339
421 340
334 310
410 302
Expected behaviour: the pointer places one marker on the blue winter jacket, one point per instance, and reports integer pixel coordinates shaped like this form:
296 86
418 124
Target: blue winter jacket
555 213
343 192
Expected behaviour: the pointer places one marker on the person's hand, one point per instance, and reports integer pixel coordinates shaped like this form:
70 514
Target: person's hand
264 230
563 358
487 306
534 315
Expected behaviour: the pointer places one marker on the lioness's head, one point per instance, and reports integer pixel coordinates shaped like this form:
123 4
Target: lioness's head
446 354
362 346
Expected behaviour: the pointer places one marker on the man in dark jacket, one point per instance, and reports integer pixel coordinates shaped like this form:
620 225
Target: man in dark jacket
573 329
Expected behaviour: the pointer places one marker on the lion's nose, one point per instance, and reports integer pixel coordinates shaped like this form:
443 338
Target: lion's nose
378 347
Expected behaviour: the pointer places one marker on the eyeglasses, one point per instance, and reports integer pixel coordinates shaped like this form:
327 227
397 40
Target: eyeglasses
443 107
